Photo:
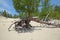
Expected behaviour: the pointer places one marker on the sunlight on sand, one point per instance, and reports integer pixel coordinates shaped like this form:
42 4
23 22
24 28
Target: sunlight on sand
43 34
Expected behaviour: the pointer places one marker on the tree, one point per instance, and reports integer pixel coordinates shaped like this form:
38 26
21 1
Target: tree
57 12
57 9
0 12
22 15
54 12
45 8
15 16
6 14
26 6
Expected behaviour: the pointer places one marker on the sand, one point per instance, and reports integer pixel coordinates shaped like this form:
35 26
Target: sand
43 34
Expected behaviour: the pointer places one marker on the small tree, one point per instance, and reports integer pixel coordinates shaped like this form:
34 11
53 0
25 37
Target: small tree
15 16
6 14
45 8
26 6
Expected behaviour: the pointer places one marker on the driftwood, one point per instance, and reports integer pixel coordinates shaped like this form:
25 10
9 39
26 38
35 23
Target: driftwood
20 25
24 24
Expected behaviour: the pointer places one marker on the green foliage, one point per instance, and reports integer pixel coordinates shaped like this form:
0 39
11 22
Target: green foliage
22 15
5 14
45 9
55 14
57 9
26 6
30 7
15 16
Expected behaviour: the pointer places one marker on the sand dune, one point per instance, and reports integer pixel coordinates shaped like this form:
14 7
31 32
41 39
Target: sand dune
43 34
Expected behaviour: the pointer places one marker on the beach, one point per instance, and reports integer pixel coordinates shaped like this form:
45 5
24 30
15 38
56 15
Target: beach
42 34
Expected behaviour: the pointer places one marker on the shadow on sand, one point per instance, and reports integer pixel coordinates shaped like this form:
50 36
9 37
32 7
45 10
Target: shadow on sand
24 30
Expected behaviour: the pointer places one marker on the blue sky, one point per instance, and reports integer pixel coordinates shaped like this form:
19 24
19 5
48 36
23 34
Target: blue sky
8 5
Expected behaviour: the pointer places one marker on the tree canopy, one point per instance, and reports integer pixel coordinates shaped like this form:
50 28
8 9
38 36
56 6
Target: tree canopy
27 6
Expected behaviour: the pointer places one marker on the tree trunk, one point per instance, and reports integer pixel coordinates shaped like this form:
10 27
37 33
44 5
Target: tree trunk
28 14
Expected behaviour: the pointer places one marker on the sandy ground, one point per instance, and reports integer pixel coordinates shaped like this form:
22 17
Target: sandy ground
43 34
